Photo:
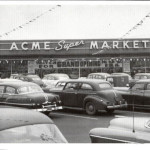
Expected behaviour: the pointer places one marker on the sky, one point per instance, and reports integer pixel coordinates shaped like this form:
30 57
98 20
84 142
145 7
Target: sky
82 20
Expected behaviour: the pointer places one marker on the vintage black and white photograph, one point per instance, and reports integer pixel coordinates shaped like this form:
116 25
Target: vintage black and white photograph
74 72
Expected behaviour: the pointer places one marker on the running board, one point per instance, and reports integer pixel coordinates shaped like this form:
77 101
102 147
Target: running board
75 108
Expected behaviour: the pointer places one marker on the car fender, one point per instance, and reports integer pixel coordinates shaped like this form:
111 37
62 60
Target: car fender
99 102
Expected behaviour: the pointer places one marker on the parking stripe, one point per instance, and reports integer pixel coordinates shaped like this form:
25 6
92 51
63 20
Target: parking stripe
135 112
75 116
119 116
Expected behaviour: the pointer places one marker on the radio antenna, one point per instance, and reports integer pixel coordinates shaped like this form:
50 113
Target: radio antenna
133 129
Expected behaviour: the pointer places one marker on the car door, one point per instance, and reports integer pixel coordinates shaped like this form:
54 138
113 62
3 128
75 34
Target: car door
9 91
137 94
146 99
2 87
84 90
69 94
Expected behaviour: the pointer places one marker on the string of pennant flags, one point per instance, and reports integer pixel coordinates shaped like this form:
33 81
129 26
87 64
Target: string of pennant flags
29 22
137 25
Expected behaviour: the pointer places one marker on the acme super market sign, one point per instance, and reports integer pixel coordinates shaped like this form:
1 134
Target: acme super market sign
67 45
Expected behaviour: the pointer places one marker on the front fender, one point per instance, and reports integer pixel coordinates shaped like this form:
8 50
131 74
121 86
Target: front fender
100 103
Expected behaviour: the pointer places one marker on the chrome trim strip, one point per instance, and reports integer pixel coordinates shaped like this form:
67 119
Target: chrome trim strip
16 104
113 139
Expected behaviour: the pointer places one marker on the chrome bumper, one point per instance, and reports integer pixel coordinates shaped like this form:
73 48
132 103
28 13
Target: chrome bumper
117 106
49 108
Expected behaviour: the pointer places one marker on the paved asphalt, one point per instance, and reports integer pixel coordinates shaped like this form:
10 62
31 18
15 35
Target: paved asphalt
75 125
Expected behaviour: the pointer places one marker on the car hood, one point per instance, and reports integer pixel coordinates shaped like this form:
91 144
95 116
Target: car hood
140 124
107 135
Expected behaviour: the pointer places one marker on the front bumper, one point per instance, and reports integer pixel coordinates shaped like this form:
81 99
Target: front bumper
117 106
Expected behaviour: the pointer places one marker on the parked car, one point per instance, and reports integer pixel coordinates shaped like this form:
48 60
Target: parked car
118 80
12 76
51 79
138 77
123 74
89 95
31 78
10 80
98 75
26 126
138 95
28 95
122 130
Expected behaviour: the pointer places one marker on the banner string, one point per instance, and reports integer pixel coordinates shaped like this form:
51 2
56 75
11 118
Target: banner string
28 22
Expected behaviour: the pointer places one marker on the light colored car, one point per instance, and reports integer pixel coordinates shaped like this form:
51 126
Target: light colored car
122 130
26 126
98 75
123 74
51 79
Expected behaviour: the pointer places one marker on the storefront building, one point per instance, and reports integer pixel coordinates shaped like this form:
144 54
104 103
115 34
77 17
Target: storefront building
74 57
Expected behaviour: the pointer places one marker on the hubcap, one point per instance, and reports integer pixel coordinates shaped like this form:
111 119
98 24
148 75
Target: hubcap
91 108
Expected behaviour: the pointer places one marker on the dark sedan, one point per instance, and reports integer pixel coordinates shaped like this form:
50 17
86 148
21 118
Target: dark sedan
26 126
138 95
28 95
89 95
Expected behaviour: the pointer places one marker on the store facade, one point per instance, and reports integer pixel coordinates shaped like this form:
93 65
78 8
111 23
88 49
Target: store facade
74 57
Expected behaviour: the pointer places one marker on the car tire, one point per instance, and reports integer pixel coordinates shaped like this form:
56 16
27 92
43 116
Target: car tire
90 108
110 111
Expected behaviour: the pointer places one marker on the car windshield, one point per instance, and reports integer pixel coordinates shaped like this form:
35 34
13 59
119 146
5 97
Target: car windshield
104 86
39 133
29 89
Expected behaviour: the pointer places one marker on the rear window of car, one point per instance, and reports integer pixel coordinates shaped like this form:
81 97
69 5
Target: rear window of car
105 86
29 89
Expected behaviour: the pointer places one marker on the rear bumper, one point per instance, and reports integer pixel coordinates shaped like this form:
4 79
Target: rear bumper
49 108
117 106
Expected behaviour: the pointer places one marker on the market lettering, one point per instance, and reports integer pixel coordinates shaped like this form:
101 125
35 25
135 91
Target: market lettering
115 44
63 45
145 43
94 45
125 44
105 45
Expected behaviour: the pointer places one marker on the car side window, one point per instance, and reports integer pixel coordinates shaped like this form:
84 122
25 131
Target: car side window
85 86
71 86
2 89
148 87
10 90
138 86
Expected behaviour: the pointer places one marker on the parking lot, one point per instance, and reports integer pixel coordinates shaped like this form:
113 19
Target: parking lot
75 125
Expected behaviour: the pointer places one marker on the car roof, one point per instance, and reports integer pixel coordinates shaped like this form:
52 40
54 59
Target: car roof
142 74
16 84
16 117
90 81
99 73
56 74
143 80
